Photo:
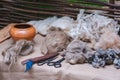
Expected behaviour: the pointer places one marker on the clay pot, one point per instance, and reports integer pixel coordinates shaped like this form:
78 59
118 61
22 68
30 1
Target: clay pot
22 31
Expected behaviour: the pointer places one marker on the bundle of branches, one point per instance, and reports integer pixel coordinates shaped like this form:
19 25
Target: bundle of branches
26 10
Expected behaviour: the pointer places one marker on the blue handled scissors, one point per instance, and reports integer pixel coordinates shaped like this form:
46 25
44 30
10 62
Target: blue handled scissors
56 64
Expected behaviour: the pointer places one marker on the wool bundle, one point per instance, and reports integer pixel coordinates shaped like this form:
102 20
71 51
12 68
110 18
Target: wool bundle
65 23
90 27
55 41
21 47
107 40
42 26
76 52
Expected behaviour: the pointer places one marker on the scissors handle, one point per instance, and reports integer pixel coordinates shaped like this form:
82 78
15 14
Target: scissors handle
56 64
51 63
46 61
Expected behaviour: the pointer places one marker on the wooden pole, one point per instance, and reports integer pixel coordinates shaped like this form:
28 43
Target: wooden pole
112 2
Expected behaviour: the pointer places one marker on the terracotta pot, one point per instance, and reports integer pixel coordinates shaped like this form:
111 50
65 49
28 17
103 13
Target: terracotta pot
22 31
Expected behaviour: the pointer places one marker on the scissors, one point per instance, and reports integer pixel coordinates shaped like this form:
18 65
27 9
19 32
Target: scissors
50 62
56 64
46 61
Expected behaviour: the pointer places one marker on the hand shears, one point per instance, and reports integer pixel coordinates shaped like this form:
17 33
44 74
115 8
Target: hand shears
50 62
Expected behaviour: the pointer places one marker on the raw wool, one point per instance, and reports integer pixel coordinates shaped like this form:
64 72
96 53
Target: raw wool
21 47
65 23
42 26
32 22
102 57
76 51
91 26
107 40
55 41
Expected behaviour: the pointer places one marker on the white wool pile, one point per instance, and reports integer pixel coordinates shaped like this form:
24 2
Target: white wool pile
65 23
87 26
42 26
92 25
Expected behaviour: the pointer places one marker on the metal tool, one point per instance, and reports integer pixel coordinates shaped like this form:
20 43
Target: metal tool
31 61
56 64
46 61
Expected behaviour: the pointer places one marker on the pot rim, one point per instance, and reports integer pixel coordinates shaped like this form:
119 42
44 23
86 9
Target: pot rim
22 26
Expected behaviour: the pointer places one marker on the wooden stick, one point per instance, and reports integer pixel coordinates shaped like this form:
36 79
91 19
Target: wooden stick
37 12
41 58
111 4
